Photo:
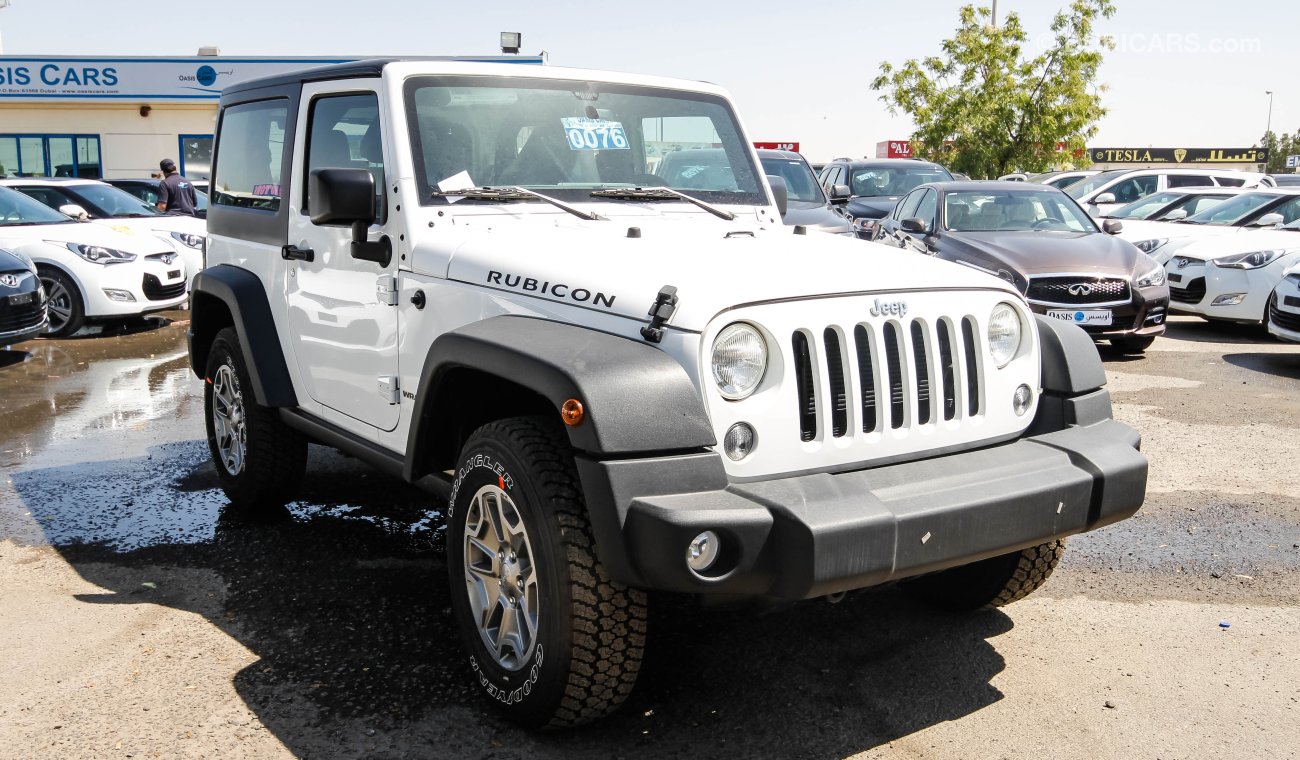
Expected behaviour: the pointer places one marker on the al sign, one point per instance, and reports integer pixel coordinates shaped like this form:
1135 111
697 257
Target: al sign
192 78
794 146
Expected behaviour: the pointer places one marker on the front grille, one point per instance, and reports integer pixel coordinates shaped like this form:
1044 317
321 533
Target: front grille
1284 319
1192 293
156 291
25 317
1078 290
901 374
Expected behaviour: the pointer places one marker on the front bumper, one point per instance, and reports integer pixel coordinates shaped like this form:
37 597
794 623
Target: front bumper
1143 315
1252 285
166 289
810 535
1284 311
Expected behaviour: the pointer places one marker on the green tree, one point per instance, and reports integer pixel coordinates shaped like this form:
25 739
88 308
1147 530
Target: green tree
1279 147
988 106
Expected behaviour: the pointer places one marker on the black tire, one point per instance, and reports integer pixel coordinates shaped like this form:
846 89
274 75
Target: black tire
65 301
1134 344
274 455
993 582
586 647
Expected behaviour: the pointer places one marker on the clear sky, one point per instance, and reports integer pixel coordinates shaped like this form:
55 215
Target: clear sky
1187 73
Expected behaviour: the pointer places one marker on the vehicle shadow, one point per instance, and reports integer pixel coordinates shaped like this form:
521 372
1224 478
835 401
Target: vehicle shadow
343 598
1207 331
12 356
1277 364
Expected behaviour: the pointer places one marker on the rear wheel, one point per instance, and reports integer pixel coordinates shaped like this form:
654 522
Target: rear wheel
259 460
66 309
1133 344
552 640
993 582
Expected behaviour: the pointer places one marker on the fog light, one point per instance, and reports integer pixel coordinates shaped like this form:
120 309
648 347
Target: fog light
1020 402
123 296
1229 299
702 551
739 442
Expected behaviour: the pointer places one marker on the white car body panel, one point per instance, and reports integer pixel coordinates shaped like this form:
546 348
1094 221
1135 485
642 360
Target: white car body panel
1195 260
1287 294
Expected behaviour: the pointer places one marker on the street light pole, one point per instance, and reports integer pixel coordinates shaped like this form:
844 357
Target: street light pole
3 4
995 13
1269 124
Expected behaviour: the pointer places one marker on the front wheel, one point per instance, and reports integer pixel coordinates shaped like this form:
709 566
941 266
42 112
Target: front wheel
1133 344
552 640
63 299
993 582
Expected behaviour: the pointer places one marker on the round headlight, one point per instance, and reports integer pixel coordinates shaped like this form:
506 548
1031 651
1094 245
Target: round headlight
1004 333
739 360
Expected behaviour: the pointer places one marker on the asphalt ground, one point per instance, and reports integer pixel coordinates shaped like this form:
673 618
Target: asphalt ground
142 617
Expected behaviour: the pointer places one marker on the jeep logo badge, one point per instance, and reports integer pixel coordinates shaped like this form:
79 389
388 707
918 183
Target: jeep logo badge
897 308
9 280
1080 289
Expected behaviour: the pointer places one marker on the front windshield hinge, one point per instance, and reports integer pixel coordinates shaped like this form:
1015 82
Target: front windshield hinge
660 312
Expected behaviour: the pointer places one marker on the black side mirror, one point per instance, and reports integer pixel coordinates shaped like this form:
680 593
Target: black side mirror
343 198
840 194
1112 226
780 193
915 225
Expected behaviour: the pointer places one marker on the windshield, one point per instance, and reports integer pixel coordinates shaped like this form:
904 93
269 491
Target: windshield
1141 209
973 211
894 180
799 180
1233 210
1088 184
567 138
17 209
109 201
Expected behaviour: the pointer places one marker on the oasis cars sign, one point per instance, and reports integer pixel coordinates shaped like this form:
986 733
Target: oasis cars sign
192 78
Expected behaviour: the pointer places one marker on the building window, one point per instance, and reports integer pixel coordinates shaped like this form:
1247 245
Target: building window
50 156
196 156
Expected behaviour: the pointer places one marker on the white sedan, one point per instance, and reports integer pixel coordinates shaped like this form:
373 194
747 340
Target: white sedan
1231 278
89 271
1284 314
1258 209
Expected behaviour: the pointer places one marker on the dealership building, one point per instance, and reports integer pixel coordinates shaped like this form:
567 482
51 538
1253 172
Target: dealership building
118 117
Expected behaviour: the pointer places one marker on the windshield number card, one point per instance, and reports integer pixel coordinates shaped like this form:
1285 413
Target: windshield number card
1081 317
585 133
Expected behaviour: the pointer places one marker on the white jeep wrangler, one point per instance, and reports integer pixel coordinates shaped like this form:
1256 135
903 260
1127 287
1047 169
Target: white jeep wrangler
471 276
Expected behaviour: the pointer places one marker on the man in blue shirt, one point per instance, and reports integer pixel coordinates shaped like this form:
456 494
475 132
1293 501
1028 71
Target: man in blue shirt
175 193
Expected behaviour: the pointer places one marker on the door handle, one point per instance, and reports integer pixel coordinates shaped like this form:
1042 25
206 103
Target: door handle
293 252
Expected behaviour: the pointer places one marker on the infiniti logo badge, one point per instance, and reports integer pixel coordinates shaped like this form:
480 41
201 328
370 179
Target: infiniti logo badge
9 280
1080 289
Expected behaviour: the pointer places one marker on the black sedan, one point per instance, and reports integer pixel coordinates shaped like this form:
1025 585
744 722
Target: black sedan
1038 238
806 204
875 185
22 300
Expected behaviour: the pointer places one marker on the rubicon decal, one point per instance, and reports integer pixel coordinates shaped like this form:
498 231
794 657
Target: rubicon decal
557 290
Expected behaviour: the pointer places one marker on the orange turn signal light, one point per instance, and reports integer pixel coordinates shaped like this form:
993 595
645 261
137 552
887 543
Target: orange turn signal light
572 412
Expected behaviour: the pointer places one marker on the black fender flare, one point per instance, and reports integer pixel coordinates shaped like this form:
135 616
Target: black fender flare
1072 378
244 298
637 400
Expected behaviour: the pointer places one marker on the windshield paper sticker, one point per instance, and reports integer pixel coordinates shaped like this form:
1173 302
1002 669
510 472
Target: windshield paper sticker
585 133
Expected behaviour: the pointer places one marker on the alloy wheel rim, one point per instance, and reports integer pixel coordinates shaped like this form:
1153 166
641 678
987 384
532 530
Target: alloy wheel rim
501 577
229 424
58 302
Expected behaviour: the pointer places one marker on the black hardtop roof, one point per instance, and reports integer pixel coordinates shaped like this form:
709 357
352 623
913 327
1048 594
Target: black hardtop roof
370 67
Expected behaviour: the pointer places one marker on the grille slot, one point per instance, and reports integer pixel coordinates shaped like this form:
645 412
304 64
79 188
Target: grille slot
972 367
922 362
1194 292
25 317
805 387
947 370
1284 319
894 364
839 403
154 290
1078 291
866 376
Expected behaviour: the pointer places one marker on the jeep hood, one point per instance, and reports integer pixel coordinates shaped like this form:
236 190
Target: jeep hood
714 265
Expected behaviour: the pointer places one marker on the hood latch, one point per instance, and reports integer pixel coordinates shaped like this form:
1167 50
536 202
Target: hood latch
660 312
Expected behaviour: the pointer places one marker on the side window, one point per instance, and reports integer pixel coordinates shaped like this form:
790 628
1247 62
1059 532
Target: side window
1189 180
48 195
250 153
1290 210
1230 181
343 133
906 208
830 176
1203 203
926 208
1134 188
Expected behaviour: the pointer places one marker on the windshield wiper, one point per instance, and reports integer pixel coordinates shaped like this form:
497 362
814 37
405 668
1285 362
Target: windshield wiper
661 194
513 194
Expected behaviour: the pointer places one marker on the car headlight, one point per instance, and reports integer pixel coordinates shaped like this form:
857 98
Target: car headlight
1152 279
98 254
1004 333
739 360
185 238
1251 260
1147 246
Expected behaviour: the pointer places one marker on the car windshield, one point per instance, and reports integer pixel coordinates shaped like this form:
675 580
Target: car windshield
110 201
17 210
567 138
1233 210
894 180
1013 211
1145 207
800 183
1088 184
